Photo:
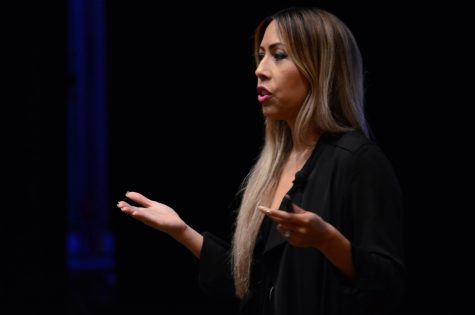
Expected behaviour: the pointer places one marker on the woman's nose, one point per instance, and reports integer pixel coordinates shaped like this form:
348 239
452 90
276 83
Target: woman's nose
261 71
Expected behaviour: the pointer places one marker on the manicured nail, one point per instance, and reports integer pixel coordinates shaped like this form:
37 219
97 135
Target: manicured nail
265 209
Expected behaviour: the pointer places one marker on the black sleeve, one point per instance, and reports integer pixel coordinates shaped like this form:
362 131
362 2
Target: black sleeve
376 205
215 276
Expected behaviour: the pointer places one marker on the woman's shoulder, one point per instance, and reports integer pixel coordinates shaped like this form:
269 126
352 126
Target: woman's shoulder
350 142
362 155
354 147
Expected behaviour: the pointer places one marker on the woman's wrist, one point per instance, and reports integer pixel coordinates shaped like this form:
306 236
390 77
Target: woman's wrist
331 239
190 238
337 249
180 234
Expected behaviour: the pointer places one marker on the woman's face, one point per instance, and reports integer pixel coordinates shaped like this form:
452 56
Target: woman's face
281 88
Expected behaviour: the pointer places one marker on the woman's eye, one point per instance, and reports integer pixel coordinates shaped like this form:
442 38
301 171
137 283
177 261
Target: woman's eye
280 55
259 56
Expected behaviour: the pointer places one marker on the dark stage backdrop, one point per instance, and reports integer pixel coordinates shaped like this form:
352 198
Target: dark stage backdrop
184 128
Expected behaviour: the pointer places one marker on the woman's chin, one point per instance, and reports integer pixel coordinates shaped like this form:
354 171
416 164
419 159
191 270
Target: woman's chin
272 115
269 113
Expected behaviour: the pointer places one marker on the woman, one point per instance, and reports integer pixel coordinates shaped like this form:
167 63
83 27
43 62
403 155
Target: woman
319 229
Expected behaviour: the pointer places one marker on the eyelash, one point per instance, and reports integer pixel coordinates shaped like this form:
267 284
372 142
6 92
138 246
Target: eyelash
277 56
280 56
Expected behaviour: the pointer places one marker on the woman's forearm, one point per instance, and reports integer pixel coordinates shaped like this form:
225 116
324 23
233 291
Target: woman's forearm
191 239
338 251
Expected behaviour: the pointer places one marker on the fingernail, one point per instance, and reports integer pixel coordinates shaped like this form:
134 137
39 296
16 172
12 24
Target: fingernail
265 209
127 192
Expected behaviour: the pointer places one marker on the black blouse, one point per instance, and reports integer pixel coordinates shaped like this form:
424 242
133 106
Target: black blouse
349 182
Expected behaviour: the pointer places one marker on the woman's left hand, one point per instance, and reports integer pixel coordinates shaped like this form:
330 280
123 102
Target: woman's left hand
301 228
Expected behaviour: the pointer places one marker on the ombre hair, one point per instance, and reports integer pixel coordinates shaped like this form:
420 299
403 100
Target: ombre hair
326 53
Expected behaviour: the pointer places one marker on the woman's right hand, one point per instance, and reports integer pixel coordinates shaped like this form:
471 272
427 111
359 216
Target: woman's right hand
157 215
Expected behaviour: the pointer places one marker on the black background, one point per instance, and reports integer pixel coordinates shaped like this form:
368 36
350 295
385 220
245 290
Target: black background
184 121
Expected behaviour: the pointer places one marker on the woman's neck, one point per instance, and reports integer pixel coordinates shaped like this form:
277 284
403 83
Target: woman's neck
300 146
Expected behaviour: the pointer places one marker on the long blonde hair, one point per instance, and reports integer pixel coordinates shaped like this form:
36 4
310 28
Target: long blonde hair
326 53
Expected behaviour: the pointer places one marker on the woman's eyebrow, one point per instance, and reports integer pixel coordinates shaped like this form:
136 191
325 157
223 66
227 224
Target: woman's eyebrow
273 45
